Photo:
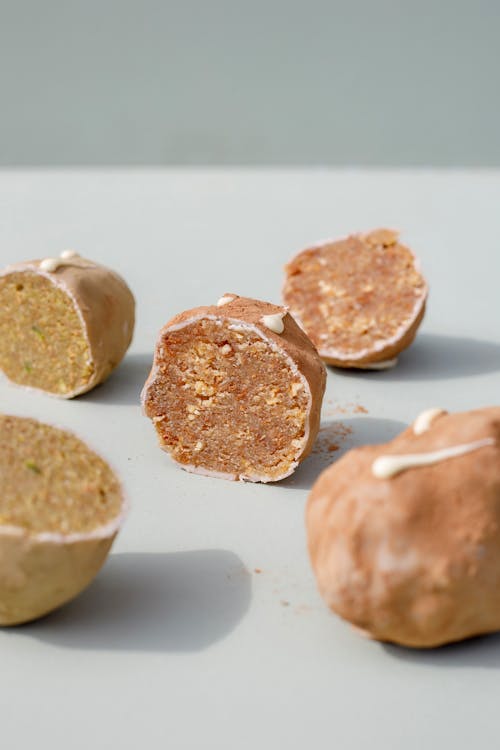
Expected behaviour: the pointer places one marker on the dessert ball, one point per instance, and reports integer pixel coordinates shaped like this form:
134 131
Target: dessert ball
235 390
360 300
404 538
65 323
60 509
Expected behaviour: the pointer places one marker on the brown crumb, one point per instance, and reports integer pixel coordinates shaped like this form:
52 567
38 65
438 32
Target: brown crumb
349 408
257 570
385 237
331 438
359 409
284 603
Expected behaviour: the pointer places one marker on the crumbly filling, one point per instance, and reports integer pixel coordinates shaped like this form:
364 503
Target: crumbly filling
42 343
51 481
225 401
354 294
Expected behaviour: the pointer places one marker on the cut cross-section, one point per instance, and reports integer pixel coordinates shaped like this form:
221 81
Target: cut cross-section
360 300
42 339
230 397
61 507
65 324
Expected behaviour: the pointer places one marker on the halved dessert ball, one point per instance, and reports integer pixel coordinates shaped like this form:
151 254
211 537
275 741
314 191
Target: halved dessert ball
61 507
235 390
65 323
360 300
404 538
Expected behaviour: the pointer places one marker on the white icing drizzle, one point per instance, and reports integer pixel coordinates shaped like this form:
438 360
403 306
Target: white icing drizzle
274 322
225 300
424 420
387 364
385 467
52 264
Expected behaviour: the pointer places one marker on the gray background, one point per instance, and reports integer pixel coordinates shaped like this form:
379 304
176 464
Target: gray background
256 82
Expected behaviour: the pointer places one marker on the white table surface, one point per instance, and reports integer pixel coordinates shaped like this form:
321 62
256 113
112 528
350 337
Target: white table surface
179 643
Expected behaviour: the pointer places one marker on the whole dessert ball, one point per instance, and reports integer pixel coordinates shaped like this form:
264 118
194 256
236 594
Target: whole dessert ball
404 538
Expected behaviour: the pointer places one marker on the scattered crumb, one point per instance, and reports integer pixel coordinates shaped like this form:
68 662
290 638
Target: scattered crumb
257 570
338 428
359 409
284 603
349 408
331 437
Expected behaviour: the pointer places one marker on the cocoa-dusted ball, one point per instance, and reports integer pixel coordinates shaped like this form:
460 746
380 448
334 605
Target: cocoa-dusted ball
404 538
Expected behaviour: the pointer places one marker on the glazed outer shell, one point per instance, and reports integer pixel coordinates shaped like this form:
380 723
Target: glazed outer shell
293 344
105 306
414 559
38 576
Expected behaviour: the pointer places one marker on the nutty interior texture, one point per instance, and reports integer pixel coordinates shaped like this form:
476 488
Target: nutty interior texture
354 294
42 342
51 481
225 401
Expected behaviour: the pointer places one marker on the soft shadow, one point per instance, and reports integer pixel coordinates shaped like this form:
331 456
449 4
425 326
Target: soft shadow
343 434
435 356
124 385
482 651
180 601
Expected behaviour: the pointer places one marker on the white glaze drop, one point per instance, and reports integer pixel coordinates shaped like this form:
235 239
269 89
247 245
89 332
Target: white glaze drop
385 467
67 254
274 322
52 264
49 264
225 300
387 364
424 420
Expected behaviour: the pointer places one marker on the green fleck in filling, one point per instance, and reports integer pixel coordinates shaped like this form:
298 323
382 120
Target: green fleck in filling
38 332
